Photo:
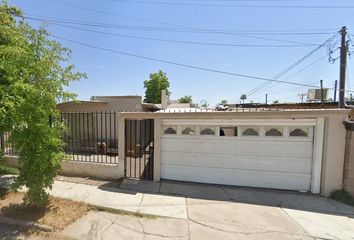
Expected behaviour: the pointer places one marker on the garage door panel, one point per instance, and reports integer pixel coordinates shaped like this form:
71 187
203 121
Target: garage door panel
282 162
187 173
264 179
245 147
273 163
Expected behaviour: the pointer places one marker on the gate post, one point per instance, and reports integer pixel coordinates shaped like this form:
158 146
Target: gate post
157 149
348 173
121 139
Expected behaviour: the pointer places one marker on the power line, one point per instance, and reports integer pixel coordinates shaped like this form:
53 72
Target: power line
179 64
170 40
292 66
242 5
149 28
166 23
114 14
297 72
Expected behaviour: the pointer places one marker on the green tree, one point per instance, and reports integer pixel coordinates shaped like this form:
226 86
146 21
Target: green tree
185 99
34 71
204 103
153 87
223 102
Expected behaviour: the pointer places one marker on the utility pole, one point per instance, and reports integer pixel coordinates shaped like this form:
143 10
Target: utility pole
302 95
343 67
266 99
335 91
321 83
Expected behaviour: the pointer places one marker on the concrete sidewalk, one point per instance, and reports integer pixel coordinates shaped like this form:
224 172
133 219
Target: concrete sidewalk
210 212
197 211
216 212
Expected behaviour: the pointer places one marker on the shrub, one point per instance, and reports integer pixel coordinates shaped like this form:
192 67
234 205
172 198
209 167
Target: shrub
33 75
342 196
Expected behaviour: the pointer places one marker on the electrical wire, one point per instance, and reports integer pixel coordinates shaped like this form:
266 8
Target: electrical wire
166 23
297 72
242 5
179 64
212 31
257 89
170 40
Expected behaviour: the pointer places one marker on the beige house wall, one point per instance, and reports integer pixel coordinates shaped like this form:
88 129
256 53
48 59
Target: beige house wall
333 142
104 103
123 103
83 107
348 182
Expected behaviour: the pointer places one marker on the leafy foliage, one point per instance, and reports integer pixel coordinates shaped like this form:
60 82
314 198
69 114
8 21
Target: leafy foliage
8 170
342 196
185 99
153 87
32 81
223 102
204 103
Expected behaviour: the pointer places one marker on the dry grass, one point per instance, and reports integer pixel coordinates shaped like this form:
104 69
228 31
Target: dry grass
58 214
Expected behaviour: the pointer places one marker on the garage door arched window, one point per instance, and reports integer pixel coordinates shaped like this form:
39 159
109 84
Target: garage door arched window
250 131
228 132
274 132
188 131
170 130
207 131
299 132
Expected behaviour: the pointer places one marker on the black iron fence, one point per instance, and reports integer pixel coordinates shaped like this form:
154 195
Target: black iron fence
139 148
91 136
5 146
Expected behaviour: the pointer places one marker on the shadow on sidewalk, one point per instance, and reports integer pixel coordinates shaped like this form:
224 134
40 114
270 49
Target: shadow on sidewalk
209 193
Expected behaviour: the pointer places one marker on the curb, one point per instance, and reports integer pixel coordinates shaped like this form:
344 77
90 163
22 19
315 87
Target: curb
24 223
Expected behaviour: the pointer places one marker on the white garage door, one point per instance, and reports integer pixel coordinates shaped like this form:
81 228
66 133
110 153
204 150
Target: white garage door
273 154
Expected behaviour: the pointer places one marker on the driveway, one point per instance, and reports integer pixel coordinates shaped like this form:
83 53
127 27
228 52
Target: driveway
217 212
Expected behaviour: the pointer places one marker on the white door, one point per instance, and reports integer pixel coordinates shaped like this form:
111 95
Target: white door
270 154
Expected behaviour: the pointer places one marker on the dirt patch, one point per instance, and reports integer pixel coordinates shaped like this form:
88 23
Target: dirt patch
58 214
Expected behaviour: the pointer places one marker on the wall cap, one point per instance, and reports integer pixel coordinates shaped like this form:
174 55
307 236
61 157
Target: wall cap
349 125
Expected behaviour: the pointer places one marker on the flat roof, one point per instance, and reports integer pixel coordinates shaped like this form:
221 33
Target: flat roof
82 101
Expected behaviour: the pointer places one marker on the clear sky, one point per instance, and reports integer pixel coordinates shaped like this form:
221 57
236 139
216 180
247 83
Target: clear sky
113 74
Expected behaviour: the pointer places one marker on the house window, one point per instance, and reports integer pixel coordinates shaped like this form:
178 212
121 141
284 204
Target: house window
228 131
170 130
188 131
250 131
274 132
207 131
299 132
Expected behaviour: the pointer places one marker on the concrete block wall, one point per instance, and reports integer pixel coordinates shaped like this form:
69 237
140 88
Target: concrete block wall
81 169
348 180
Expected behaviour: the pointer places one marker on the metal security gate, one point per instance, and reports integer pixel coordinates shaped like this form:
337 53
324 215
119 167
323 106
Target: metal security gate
139 148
